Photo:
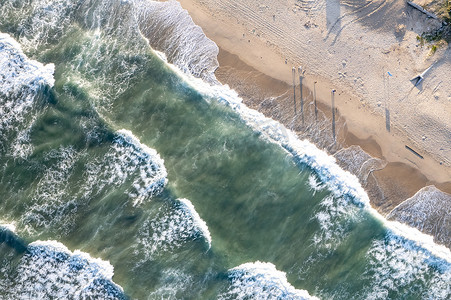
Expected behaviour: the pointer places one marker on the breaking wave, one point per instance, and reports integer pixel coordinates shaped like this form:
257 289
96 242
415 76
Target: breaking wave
166 25
260 280
21 80
404 259
129 156
340 182
7 226
21 76
396 266
198 223
127 160
177 45
48 270
335 217
314 184
42 22
54 271
127 163
173 226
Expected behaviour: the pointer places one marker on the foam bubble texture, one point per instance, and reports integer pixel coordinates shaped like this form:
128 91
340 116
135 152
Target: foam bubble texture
127 160
20 80
196 219
21 146
183 42
129 156
7 226
314 184
260 280
50 271
340 182
171 228
396 264
428 210
50 205
18 72
335 217
54 208
39 21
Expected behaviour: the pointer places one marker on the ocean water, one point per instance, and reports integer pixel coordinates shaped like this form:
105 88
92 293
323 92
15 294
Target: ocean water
125 177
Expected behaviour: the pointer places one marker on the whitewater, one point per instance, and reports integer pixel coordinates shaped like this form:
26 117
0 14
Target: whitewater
104 140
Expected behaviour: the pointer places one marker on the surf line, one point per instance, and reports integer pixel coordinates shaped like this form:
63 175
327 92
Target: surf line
338 181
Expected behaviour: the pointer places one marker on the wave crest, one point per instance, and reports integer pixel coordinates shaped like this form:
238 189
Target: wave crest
21 80
260 280
131 156
340 182
50 271
172 227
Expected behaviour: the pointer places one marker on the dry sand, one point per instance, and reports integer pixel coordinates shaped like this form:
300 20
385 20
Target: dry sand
349 46
388 184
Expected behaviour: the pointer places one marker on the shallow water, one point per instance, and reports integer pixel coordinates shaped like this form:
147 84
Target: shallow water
118 161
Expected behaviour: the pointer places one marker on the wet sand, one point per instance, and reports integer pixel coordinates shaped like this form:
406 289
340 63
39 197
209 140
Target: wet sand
260 69
347 47
387 187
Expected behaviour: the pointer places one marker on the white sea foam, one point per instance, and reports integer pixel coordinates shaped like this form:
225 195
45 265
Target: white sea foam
179 37
41 22
48 270
408 256
396 264
19 72
334 217
20 80
315 184
197 220
341 183
358 162
50 205
429 210
171 228
260 280
173 283
54 207
21 146
107 66
8 226
129 156
127 160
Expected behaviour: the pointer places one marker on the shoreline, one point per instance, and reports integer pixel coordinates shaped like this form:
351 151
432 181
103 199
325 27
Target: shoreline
361 119
263 78
398 181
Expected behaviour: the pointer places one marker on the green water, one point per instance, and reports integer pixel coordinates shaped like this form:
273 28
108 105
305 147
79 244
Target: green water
79 184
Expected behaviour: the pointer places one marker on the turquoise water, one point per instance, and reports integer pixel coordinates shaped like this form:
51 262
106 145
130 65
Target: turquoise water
123 178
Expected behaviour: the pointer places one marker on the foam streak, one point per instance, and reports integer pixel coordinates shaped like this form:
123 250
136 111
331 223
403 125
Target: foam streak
340 182
50 270
260 280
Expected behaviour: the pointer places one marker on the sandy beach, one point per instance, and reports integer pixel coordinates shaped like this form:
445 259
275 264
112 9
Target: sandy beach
367 52
276 150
